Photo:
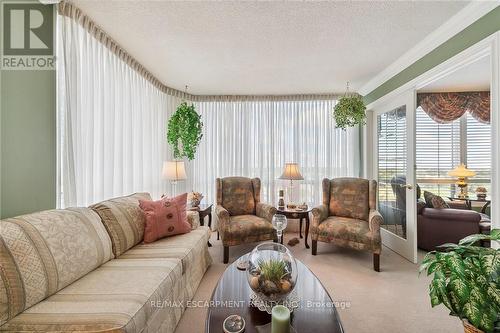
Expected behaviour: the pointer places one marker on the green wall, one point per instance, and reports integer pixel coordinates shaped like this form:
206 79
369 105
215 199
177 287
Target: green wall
482 28
28 141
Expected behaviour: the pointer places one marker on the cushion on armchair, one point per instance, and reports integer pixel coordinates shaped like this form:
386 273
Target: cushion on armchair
238 196
349 197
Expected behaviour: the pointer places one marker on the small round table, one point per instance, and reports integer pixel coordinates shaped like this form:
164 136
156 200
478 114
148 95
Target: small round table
299 215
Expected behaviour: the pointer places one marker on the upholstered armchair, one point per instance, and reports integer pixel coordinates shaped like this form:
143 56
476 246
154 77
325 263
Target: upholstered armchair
242 218
348 216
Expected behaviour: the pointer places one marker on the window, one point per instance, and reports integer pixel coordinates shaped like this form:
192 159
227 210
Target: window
479 152
441 147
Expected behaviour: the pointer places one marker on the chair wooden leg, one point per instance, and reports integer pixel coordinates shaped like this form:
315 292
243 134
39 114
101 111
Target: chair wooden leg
376 262
314 247
217 234
226 254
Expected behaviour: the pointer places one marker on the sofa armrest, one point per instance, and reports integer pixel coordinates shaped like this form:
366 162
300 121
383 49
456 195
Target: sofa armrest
375 219
319 213
222 219
452 214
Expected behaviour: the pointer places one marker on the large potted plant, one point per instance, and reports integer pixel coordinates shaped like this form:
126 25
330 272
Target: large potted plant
185 131
466 279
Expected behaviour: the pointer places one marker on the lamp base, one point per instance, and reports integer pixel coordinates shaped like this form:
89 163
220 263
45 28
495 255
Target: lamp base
463 191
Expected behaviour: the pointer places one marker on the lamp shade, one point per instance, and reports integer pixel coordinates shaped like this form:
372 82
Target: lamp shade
291 172
461 171
174 170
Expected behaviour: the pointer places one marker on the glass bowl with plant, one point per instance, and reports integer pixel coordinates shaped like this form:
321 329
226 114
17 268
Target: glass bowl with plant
466 279
272 272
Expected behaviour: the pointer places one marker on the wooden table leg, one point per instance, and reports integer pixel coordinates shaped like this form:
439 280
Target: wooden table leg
307 230
300 228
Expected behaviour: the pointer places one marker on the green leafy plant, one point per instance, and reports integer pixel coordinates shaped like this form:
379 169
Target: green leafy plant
466 279
349 112
272 270
185 131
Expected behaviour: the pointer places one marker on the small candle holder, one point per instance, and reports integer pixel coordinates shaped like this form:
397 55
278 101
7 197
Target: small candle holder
234 324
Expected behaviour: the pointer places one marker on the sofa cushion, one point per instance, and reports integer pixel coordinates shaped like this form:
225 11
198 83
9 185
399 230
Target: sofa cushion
124 220
434 201
193 218
123 295
44 252
349 197
190 248
165 217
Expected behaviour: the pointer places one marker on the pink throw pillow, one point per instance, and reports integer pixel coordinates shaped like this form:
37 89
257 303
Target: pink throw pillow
165 217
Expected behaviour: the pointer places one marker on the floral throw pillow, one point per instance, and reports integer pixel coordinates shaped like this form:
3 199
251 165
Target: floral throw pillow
165 217
434 201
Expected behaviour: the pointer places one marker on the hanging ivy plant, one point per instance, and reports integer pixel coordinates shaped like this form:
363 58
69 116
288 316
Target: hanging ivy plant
349 112
184 131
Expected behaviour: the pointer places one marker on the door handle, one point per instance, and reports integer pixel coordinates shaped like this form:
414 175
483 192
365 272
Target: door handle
407 186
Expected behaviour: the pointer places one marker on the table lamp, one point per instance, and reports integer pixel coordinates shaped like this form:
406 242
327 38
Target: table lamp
175 172
462 173
291 173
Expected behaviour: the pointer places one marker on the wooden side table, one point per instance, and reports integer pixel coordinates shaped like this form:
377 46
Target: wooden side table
299 215
205 210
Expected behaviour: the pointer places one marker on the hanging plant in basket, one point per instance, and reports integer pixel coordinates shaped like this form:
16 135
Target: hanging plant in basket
349 111
184 131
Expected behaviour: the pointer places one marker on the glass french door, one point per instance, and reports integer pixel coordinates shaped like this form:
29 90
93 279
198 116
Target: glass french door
394 166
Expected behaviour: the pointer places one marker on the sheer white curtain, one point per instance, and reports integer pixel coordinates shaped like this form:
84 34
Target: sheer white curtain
112 132
256 138
111 123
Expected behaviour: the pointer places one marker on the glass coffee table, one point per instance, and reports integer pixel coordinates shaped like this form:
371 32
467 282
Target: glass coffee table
316 311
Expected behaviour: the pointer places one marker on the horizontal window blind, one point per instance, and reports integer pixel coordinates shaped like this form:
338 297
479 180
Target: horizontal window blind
391 150
479 152
438 150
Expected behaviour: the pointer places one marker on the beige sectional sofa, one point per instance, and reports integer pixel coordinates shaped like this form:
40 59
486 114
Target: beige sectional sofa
86 269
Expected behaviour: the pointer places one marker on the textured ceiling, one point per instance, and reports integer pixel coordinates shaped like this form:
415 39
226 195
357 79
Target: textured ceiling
267 47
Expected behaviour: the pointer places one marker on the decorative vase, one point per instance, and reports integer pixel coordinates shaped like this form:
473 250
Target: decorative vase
469 328
194 199
272 272
481 192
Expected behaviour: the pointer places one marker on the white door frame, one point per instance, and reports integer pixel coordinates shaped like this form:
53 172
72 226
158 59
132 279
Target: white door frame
405 247
488 46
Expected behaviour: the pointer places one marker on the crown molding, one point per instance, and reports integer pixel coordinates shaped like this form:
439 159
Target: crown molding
465 17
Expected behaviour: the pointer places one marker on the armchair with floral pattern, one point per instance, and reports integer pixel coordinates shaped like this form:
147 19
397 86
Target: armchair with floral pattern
242 218
348 216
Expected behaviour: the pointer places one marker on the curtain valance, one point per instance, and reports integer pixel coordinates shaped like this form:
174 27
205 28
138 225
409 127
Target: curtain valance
69 10
447 107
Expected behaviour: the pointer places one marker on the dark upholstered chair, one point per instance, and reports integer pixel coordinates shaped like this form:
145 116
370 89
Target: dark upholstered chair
242 218
348 216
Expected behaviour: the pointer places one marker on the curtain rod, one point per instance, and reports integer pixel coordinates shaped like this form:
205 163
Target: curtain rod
66 8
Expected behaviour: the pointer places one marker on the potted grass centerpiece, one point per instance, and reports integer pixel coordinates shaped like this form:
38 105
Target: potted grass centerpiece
272 272
466 279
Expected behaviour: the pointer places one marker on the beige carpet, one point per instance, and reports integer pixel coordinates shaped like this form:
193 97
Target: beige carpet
394 300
